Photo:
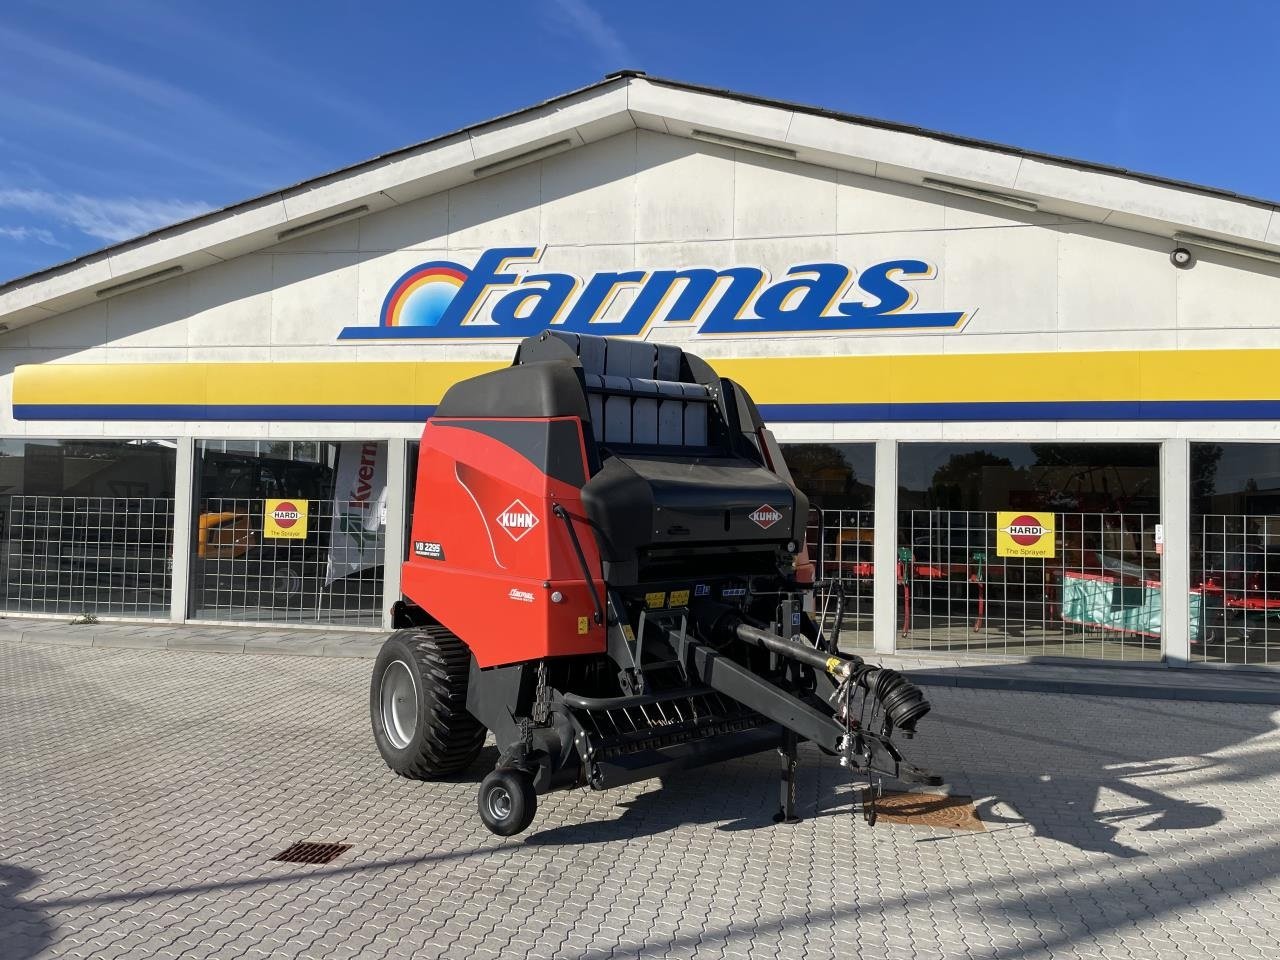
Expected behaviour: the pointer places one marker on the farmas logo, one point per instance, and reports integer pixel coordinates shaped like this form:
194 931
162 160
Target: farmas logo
504 296
420 298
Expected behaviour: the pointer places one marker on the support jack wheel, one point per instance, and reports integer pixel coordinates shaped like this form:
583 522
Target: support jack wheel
507 802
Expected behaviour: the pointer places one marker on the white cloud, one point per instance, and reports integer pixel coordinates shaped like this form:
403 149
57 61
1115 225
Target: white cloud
587 21
38 234
110 219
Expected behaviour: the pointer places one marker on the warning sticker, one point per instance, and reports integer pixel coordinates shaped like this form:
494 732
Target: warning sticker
1024 535
285 519
584 624
655 601
679 598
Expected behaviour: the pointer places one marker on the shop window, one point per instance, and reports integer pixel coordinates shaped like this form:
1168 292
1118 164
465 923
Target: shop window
1235 552
410 490
1030 549
289 531
86 526
838 480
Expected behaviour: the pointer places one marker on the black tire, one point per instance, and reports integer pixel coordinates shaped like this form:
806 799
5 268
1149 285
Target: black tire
418 704
507 801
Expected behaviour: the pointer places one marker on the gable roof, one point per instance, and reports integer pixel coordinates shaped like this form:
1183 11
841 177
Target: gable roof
628 100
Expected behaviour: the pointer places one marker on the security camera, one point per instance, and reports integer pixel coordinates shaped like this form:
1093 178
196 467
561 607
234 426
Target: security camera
1182 258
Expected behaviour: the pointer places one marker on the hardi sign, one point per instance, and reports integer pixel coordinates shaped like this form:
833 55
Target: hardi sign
505 295
1024 535
284 519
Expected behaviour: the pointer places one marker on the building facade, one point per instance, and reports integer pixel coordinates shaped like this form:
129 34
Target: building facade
1032 400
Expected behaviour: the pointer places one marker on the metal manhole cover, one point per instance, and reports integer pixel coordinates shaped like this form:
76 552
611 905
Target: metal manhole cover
312 852
929 810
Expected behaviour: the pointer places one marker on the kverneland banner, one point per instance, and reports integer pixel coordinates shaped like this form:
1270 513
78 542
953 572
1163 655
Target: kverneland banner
359 498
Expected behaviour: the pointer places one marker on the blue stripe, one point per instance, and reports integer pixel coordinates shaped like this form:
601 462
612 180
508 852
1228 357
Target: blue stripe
976 412
387 333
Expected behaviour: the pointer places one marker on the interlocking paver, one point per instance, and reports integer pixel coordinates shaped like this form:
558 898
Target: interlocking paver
145 791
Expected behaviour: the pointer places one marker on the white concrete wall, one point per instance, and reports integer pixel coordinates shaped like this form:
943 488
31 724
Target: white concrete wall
644 199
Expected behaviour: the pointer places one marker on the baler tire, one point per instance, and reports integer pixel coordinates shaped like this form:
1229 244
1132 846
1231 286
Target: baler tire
507 801
433 665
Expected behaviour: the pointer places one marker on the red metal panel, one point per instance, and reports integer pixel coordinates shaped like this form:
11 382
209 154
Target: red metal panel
504 552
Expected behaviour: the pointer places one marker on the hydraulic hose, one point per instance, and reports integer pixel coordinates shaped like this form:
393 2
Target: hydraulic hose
903 703
838 667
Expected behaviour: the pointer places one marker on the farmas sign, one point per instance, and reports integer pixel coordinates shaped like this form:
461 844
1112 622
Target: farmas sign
504 296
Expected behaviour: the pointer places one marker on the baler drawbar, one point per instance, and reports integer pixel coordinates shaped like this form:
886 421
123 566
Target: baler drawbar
608 573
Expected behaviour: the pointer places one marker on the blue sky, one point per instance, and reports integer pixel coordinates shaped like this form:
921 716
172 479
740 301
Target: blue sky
119 117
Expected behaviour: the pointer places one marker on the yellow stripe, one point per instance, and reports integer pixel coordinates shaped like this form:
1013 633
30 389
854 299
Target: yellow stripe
954 378
241 383
1104 375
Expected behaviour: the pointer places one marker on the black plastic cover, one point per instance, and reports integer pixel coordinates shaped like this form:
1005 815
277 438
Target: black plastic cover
553 446
541 389
641 502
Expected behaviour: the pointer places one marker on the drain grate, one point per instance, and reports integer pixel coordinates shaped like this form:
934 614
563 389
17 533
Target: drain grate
929 810
312 852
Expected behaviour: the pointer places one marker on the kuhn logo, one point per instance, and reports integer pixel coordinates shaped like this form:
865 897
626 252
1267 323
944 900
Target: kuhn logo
765 516
517 520
286 515
524 596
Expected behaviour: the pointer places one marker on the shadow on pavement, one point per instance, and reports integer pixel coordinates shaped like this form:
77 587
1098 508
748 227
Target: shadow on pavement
25 927
657 811
1073 803
161 893
1063 804
1004 899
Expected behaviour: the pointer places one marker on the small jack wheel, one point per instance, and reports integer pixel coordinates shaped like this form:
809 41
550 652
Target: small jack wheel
507 801
869 812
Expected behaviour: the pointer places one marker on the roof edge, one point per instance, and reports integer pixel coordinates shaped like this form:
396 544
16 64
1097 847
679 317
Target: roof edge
309 183
946 137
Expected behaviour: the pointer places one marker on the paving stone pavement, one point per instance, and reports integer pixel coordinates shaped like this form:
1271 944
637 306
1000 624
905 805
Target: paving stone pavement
1040 675
143 793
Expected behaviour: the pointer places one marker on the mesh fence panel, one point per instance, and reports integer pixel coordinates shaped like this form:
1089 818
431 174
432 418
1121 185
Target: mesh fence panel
101 556
842 544
240 575
1098 597
1235 581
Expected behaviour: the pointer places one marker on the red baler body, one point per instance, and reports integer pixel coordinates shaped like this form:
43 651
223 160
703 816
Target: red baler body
495 581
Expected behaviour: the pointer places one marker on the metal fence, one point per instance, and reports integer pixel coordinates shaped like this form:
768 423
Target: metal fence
330 575
98 556
1098 597
1235 581
842 542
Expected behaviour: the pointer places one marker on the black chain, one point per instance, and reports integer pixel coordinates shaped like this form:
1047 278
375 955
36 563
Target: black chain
541 696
